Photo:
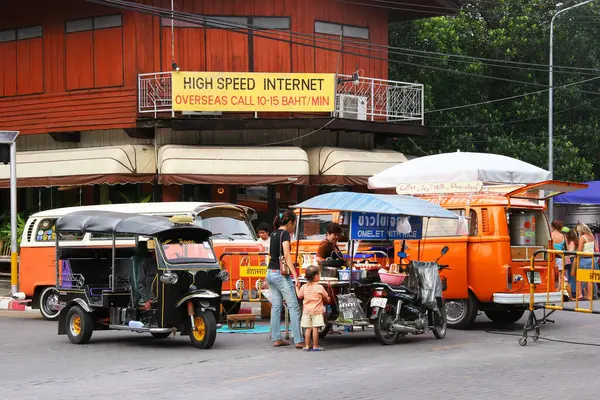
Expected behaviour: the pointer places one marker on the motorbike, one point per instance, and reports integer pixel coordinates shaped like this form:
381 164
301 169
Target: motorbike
415 306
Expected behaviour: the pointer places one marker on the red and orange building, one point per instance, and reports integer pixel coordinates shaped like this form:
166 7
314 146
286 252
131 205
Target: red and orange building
87 83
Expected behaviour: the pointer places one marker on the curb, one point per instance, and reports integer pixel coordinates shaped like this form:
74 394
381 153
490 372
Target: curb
10 304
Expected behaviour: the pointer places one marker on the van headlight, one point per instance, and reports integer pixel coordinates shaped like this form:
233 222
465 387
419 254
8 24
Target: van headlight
223 275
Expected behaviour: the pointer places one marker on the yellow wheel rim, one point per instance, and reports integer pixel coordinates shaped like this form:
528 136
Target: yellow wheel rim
76 325
200 330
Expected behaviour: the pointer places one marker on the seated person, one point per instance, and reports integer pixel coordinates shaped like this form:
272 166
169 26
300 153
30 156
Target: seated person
328 248
146 275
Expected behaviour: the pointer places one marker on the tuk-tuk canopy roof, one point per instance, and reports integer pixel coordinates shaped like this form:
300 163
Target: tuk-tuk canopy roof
118 223
391 204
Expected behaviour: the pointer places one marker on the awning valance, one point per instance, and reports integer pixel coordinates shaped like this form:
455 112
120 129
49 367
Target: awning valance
338 166
232 165
83 166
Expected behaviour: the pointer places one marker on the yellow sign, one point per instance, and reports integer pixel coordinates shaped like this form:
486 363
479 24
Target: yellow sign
247 91
253 272
588 275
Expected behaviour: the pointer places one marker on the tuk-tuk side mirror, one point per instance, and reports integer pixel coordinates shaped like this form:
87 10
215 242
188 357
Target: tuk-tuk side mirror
402 254
445 250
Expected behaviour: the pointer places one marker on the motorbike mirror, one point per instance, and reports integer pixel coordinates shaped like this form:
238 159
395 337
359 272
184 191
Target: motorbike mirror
445 250
402 254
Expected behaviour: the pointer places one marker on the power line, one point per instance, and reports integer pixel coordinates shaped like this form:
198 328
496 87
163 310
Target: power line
514 120
245 29
510 97
188 17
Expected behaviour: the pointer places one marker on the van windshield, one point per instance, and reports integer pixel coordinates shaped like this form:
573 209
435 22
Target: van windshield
228 223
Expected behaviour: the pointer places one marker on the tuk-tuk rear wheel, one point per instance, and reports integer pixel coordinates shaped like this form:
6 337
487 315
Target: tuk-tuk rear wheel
80 325
205 330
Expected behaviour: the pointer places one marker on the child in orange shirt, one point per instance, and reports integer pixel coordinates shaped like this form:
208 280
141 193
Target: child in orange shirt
312 309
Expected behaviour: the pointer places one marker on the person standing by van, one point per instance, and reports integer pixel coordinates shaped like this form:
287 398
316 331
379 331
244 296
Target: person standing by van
263 235
282 287
587 244
558 243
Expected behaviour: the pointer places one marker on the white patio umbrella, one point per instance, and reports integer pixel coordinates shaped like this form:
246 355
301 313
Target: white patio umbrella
459 167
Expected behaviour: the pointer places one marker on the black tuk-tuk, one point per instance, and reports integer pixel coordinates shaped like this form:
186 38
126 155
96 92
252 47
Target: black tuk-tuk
100 288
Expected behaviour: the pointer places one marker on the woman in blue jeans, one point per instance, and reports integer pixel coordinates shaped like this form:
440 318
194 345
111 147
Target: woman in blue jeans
282 287
587 244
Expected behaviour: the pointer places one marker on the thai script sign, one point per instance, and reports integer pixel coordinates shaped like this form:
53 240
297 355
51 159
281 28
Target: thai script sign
368 226
252 92
441 187
253 271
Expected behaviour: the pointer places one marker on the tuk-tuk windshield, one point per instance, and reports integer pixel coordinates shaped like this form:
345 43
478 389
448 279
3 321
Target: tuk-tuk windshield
185 251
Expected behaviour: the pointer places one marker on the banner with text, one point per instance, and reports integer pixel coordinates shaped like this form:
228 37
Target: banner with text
369 226
251 92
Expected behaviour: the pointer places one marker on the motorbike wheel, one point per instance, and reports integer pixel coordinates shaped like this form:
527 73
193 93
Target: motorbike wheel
80 325
205 332
383 324
440 323
508 316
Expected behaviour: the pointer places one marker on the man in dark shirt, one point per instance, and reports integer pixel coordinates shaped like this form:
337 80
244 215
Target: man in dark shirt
146 275
328 248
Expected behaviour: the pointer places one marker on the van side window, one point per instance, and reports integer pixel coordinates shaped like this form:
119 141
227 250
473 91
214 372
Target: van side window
441 227
473 224
46 232
314 227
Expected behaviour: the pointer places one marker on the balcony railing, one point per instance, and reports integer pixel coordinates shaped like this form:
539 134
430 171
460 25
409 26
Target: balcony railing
362 99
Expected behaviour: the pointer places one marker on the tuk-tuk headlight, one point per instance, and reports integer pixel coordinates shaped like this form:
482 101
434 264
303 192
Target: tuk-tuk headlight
169 278
223 275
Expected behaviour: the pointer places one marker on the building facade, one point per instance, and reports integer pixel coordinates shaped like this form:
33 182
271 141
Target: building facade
88 85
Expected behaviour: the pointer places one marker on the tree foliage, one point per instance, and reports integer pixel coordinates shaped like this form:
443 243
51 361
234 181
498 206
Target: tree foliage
511 30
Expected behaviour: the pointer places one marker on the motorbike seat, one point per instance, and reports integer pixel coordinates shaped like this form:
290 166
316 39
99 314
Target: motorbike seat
401 289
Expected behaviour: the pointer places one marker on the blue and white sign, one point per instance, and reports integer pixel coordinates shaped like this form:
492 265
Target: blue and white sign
370 226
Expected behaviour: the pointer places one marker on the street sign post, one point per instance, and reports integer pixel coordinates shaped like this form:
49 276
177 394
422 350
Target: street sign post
7 142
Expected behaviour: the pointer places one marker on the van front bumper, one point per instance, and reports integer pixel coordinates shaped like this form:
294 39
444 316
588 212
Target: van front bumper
523 298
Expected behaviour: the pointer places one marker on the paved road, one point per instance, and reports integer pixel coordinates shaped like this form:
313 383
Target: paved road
35 363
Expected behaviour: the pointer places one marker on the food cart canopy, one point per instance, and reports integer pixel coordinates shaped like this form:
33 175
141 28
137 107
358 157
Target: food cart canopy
589 196
377 203
116 223
459 167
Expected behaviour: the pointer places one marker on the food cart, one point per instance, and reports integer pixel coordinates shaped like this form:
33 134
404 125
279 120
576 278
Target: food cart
372 217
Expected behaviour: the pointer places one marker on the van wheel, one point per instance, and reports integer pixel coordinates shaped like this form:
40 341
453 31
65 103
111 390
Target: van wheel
80 325
205 332
461 313
48 298
505 316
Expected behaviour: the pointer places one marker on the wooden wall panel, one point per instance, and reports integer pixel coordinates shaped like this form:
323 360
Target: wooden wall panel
8 69
79 65
30 72
108 57
73 111
190 52
226 51
272 52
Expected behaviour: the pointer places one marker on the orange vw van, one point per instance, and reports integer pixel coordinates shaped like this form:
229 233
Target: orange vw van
229 223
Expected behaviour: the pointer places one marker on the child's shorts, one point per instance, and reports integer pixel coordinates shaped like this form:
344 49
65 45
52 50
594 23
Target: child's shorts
312 321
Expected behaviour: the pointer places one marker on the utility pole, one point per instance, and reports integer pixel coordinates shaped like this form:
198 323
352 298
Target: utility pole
551 99
8 155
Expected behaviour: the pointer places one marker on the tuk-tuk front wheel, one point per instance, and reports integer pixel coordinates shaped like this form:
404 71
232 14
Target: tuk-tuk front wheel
80 325
204 333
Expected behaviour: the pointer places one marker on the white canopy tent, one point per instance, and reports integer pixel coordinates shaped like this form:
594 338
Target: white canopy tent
459 167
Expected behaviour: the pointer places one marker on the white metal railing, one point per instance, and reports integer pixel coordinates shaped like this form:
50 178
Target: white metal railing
362 99
378 99
154 93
